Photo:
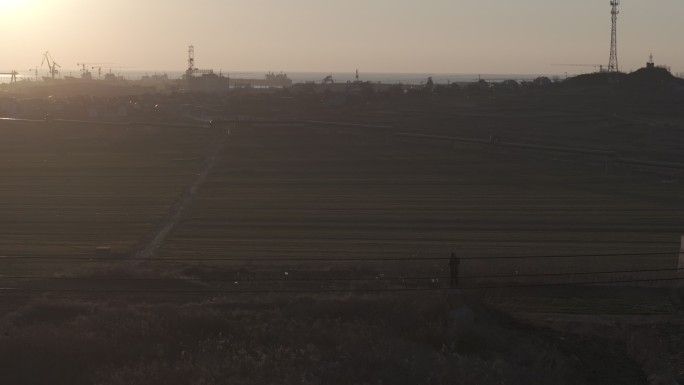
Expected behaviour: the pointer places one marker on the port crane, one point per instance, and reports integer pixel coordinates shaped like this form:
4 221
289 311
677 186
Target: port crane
51 63
13 76
85 74
99 66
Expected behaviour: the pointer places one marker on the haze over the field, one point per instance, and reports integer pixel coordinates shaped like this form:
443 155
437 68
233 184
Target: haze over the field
467 36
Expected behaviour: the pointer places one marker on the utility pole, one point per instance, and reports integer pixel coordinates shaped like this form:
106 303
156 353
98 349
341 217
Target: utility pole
613 61
680 265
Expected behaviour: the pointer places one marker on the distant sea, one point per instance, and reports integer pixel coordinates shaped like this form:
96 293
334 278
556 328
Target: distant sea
338 77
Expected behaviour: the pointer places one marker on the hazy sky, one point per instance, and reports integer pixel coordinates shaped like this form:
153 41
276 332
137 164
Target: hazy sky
427 36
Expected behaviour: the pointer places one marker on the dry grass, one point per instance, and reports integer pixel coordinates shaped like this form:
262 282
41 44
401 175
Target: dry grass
313 340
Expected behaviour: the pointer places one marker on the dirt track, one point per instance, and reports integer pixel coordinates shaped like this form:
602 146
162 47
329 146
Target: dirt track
67 189
159 235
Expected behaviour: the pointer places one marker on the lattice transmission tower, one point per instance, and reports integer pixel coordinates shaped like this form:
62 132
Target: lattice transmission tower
613 61
191 58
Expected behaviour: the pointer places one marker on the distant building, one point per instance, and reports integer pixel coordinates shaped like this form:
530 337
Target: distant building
270 80
207 82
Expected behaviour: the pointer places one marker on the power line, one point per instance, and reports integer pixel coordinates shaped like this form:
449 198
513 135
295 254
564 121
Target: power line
12 290
574 273
329 279
319 259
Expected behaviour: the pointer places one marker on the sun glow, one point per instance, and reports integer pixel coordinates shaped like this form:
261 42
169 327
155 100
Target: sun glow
17 9
15 13
13 5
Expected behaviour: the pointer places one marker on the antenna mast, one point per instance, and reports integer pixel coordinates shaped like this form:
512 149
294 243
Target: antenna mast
613 62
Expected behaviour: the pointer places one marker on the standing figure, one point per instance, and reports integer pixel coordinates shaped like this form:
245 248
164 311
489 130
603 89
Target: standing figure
453 269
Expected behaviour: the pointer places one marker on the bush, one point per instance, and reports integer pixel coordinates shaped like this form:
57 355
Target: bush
313 340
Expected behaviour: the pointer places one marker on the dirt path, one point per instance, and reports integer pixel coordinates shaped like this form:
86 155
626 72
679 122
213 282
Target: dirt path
148 248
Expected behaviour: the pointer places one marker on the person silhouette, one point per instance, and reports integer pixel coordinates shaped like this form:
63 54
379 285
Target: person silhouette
454 261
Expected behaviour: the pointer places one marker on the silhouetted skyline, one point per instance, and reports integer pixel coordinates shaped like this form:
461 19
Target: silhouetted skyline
522 36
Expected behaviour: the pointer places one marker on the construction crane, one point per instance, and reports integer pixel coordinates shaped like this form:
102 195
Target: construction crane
99 68
599 66
99 71
51 63
85 74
